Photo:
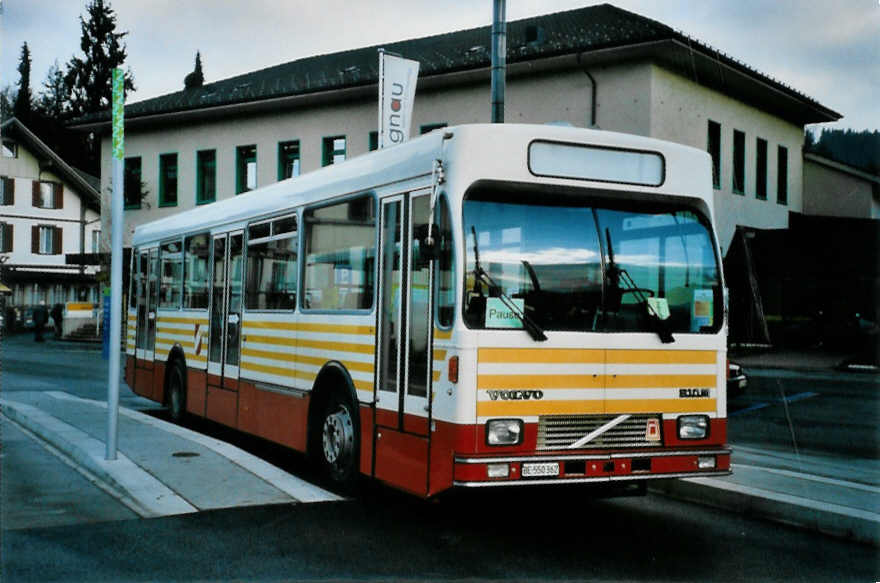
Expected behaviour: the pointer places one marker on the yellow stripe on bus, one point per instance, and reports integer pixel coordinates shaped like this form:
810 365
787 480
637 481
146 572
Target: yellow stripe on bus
290 373
542 355
442 334
337 346
661 356
337 328
524 408
656 381
526 381
302 359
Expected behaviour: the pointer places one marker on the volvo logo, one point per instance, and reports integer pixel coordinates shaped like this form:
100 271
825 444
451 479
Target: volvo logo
516 395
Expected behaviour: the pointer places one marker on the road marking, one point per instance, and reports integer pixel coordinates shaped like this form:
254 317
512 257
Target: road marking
763 405
151 497
291 485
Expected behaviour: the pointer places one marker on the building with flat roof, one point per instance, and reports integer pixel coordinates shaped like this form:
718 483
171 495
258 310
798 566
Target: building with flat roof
598 66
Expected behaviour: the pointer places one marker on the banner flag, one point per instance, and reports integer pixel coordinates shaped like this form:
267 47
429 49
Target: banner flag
397 91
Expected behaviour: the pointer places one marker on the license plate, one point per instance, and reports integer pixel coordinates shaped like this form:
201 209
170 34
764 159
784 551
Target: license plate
540 469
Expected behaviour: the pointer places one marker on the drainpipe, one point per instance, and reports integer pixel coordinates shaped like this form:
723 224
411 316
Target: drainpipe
499 59
592 93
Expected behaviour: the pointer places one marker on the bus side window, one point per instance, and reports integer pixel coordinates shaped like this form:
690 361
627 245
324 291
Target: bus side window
340 252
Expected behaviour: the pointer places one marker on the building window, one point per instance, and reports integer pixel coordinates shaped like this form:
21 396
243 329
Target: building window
10 149
5 237
96 241
333 150
288 159
374 141
133 183
245 168
761 169
48 195
168 180
714 148
206 176
430 127
739 162
782 175
45 240
7 191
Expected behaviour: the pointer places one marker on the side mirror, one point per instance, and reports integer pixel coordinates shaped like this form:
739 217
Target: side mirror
428 250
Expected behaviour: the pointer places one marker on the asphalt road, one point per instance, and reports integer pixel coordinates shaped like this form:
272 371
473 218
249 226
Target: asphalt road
827 412
510 534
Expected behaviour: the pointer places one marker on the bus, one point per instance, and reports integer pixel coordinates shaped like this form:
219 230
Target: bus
486 305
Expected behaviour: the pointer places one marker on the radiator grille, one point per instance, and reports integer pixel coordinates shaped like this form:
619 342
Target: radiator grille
560 431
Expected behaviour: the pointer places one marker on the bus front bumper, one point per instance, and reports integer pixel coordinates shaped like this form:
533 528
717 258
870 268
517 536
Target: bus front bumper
472 471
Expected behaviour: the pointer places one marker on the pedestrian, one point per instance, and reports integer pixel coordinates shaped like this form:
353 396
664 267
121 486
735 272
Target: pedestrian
41 316
57 318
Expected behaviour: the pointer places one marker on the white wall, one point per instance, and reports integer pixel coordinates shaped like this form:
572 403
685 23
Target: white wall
681 110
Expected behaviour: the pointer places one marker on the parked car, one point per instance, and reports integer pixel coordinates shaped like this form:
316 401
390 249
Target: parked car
737 381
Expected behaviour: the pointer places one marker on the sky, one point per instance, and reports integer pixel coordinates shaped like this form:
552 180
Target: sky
828 50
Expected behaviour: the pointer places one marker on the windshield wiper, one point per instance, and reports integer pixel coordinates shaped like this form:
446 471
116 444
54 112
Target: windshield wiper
480 275
617 274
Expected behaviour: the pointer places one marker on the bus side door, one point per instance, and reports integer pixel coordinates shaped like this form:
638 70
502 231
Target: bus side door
224 336
146 280
403 388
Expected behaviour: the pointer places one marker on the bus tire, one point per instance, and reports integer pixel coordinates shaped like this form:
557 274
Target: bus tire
337 440
176 400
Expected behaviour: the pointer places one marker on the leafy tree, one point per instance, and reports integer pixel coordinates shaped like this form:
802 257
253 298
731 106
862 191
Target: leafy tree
196 78
52 102
24 99
89 79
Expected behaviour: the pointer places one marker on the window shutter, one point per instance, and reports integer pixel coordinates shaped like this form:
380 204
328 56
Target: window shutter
58 195
36 193
56 240
9 237
35 239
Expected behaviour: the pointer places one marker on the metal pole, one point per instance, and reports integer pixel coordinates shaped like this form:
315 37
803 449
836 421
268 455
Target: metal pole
115 263
499 59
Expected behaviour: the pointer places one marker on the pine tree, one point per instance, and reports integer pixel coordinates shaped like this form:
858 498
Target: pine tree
89 79
52 102
7 98
24 99
196 78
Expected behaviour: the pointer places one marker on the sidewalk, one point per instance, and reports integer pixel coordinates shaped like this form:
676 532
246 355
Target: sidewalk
161 469
165 469
804 490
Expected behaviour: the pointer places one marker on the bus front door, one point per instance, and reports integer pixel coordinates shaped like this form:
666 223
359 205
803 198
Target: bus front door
224 336
403 390
147 279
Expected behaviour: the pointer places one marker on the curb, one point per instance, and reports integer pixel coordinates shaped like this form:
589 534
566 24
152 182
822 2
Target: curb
125 480
831 519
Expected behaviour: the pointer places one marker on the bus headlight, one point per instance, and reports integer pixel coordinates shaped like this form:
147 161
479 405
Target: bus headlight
504 432
693 427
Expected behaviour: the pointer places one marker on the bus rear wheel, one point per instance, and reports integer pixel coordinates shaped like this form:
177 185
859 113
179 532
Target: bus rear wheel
338 441
176 399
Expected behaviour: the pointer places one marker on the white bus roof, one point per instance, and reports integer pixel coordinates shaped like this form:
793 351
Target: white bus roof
504 149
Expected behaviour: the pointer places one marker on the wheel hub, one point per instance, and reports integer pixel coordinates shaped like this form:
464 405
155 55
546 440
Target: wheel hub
338 436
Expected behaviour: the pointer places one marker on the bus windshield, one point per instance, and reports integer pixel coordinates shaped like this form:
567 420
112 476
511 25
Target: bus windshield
588 264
